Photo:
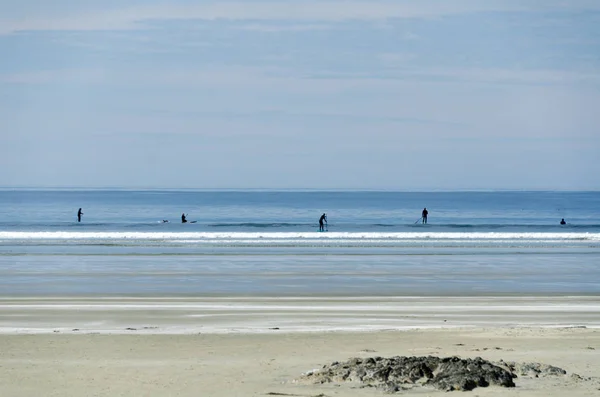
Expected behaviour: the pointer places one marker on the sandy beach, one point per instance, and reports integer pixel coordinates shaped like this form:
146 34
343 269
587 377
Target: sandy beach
112 347
256 365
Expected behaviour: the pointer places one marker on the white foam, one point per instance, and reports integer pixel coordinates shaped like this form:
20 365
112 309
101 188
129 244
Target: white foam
293 236
576 307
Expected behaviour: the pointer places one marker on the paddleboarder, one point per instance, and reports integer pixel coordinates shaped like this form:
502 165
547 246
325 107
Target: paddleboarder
322 221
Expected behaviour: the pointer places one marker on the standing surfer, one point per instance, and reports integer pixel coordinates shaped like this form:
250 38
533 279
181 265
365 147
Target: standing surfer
183 220
424 215
322 220
79 213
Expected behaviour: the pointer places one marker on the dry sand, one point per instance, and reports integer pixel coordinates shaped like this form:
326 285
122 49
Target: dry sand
260 364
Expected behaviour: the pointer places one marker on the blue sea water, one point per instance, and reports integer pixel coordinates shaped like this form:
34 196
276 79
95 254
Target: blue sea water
266 243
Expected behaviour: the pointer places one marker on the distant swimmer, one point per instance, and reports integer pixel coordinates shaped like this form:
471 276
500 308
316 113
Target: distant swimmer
165 221
562 221
322 221
183 220
424 215
79 213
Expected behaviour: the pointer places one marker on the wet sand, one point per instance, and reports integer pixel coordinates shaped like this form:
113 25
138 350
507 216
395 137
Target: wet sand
317 314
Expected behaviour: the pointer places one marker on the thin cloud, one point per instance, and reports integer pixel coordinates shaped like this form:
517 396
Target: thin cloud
281 78
491 75
514 76
55 76
293 27
127 18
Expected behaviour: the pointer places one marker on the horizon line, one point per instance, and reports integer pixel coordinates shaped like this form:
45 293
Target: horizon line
290 189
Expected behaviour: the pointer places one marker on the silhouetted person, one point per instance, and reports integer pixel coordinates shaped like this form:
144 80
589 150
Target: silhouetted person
79 213
562 221
424 215
183 220
322 220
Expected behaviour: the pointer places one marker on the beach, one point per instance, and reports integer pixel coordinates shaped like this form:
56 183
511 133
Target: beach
259 315
253 347
266 364
252 296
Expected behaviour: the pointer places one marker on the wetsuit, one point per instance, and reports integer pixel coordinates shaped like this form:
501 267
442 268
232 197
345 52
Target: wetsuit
322 219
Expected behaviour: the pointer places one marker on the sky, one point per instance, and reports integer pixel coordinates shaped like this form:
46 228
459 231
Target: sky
323 94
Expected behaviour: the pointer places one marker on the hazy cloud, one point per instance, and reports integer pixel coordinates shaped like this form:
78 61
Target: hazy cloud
410 94
125 17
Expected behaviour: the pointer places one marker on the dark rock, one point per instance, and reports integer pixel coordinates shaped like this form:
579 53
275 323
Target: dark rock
392 374
579 378
390 388
534 370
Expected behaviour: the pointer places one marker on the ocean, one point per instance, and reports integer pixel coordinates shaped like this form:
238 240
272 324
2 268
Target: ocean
267 243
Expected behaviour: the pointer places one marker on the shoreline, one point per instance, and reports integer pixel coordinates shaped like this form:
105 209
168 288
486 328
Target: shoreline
269 315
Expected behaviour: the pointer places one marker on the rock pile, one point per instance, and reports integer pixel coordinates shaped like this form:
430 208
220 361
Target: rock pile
396 373
533 370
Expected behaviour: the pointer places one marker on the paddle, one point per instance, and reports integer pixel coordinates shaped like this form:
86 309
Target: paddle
418 220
